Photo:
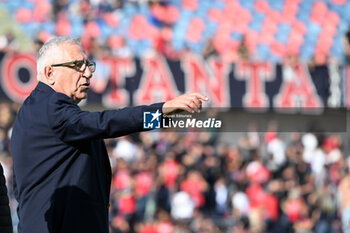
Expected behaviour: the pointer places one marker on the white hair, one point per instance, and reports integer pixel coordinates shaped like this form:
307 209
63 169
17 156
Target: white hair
45 53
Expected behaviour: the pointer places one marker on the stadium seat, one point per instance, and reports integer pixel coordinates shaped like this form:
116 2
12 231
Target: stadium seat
63 26
278 49
262 6
338 2
276 5
41 11
195 29
24 15
190 5
319 12
111 19
92 29
215 15
257 21
263 51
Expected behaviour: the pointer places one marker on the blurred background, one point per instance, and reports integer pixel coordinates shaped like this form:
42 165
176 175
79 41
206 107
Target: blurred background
250 55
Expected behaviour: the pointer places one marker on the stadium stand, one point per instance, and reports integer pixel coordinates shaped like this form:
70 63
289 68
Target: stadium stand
271 30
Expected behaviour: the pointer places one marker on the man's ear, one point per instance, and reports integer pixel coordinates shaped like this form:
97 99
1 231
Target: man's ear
48 73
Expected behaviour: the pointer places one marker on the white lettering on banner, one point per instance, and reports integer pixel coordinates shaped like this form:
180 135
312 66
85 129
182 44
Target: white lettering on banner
334 99
297 89
210 79
121 68
157 83
255 75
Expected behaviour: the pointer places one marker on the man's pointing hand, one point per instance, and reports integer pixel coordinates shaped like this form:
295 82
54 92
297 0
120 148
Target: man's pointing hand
188 102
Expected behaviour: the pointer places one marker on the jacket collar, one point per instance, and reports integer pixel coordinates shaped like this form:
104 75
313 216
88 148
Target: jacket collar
44 87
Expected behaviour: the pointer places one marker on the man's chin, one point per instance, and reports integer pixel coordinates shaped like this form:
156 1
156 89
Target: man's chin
80 98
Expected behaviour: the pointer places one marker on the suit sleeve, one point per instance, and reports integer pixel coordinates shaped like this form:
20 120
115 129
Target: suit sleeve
70 123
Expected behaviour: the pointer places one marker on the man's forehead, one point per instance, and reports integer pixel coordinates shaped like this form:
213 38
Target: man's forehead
73 51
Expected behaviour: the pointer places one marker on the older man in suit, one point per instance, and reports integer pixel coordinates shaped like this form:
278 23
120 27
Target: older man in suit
62 174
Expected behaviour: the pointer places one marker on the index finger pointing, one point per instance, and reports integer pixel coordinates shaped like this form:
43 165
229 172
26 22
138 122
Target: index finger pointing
200 96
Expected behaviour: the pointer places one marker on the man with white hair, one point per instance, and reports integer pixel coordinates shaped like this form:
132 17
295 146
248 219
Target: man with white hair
62 174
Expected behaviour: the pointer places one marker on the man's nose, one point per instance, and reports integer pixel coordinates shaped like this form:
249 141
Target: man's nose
87 73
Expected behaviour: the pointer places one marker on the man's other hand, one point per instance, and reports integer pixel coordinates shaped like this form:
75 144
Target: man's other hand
188 102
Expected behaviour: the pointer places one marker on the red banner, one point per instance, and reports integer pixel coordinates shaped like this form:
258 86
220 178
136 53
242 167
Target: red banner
127 81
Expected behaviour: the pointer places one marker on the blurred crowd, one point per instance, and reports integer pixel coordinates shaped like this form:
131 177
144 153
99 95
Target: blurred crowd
170 182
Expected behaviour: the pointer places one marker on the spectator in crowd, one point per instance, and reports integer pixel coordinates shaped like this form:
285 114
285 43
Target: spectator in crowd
38 43
8 43
59 6
347 46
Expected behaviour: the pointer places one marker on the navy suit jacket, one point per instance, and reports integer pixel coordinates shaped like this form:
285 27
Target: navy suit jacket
62 174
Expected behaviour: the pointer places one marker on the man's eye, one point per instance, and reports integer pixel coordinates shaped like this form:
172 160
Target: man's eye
79 64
